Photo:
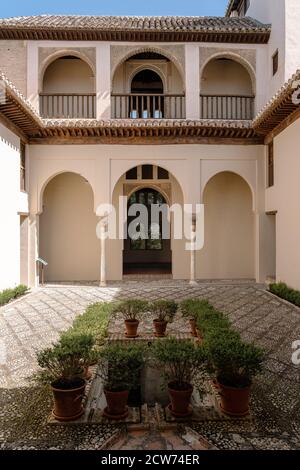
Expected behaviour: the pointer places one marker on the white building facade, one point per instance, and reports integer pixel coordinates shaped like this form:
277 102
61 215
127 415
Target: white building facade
158 110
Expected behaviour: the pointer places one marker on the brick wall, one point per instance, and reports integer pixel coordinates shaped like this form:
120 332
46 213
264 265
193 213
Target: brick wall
13 62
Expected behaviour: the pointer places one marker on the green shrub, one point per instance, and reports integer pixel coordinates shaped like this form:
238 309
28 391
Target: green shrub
191 308
9 294
211 321
163 310
131 309
93 321
234 362
63 364
120 365
283 291
182 361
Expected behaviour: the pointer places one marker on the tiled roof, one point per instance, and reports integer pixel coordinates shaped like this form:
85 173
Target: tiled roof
279 107
105 27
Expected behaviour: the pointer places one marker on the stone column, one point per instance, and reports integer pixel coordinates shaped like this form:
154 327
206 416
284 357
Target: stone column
103 228
193 281
192 81
103 81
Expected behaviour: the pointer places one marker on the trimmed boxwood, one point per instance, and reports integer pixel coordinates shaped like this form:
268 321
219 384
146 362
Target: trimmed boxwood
233 361
206 316
284 292
94 321
10 294
120 365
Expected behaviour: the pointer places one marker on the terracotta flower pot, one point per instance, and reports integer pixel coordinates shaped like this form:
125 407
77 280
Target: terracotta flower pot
87 373
68 402
116 404
131 328
160 328
193 328
234 401
180 400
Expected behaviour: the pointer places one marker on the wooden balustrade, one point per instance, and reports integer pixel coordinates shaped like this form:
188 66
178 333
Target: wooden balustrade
68 106
236 107
150 106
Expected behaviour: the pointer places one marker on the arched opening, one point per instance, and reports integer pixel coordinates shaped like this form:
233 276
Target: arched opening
147 248
227 90
67 234
228 251
68 89
147 95
147 85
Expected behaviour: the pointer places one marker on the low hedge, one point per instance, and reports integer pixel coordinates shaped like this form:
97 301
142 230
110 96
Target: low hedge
284 292
233 361
10 294
207 318
94 321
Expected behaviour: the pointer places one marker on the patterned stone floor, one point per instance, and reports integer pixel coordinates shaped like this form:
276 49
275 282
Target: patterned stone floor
36 320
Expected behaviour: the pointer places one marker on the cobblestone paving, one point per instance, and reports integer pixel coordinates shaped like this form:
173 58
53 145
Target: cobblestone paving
36 320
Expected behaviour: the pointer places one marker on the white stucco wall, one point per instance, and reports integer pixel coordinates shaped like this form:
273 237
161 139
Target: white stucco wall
192 166
284 197
284 15
12 202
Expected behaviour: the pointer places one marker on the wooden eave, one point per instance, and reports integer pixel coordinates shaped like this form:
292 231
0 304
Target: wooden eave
272 120
59 34
12 110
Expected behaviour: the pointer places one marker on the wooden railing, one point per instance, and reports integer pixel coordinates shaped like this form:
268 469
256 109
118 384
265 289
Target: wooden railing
68 106
236 107
150 106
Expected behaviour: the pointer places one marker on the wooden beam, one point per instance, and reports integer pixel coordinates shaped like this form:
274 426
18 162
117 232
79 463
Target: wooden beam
133 140
13 128
283 125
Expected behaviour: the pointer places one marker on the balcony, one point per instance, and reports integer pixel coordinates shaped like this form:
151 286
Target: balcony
227 90
147 106
68 106
68 90
230 107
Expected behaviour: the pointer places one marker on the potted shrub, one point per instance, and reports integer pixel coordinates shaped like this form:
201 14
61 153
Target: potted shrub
119 367
164 312
235 364
62 366
183 364
131 310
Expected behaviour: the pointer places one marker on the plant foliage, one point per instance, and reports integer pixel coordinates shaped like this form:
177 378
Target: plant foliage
234 362
131 309
10 294
63 364
163 310
120 365
284 292
182 361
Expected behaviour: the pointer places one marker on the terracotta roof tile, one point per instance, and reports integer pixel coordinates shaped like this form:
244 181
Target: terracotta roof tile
26 26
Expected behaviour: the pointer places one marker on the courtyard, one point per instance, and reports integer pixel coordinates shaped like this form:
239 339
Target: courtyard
36 320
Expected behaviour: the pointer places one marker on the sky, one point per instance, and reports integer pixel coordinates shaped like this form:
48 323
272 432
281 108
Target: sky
113 7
